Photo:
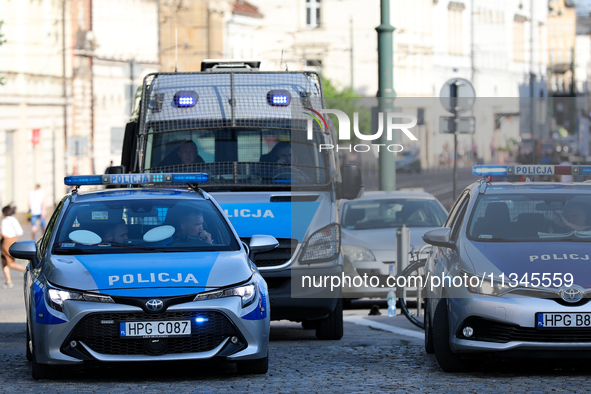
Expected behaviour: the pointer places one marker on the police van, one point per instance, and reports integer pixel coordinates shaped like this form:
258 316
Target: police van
254 134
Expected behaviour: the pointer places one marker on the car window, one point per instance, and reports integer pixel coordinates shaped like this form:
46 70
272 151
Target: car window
385 213
455 209
457 224
245 156
50 229
531 217
130 226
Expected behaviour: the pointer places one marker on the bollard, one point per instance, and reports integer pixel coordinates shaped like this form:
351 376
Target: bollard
402 251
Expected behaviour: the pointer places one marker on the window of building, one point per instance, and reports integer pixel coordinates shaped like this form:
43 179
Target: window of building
519 38
313 13
454 22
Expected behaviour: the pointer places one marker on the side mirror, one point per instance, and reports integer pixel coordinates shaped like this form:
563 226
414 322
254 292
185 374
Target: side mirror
439 237
351 183
26 250
115 170
262 243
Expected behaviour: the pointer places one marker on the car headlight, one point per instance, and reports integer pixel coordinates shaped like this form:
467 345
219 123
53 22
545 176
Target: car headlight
56 297
484 285
323 245
357 253
246 292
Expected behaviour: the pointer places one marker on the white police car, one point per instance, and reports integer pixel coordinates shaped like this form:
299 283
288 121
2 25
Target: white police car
143 274
510 272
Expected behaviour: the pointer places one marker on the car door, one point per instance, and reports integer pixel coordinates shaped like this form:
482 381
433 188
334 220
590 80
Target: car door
443 258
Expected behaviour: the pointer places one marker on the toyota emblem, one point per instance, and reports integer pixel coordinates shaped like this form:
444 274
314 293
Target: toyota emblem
571 294
154 305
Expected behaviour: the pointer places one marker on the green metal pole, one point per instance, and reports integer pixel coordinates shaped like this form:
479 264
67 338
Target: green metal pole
386 94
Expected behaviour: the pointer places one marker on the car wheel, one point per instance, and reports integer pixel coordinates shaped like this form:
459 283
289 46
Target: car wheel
447 359
347 303
253 367
29 344
428 330
308 324
331 327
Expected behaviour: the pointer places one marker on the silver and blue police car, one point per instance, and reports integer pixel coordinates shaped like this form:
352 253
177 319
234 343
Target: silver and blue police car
143 274
510 274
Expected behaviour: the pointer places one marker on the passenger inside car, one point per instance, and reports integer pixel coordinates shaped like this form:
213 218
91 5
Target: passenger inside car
573 217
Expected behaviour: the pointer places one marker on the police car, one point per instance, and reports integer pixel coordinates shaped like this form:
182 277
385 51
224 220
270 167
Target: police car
143 274
509 275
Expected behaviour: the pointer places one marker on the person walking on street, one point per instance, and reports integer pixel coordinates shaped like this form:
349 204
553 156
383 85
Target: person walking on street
37 209
11 230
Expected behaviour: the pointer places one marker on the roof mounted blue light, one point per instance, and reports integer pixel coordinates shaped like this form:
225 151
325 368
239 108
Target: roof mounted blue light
279 98
185 99
490 170
136 179
531 169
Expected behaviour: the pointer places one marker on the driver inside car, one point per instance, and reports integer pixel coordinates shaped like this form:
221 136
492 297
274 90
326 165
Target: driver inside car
116 233
190 226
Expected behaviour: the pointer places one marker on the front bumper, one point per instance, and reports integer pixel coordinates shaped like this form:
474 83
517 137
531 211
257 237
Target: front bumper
511 327
96 341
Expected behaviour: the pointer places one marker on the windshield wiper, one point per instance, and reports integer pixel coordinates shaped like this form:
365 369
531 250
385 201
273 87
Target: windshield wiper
62 250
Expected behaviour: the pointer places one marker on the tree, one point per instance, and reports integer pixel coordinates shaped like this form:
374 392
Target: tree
346 100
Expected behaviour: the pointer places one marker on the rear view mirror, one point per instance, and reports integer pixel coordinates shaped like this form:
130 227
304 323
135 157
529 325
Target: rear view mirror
262 243
351 183
26 250
439 237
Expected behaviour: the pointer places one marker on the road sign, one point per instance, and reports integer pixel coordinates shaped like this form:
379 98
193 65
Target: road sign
465 124
457 95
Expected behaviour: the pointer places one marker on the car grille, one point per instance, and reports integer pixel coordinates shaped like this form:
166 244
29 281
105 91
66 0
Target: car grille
105 339
278 256
490 331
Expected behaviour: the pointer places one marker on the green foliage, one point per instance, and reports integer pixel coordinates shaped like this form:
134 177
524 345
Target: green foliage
346 100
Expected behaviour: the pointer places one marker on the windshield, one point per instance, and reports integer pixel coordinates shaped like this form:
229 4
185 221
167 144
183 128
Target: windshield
531 217
237 156
135 226
385 213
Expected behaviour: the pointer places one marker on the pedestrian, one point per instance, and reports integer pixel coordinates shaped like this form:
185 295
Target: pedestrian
37 209
11 230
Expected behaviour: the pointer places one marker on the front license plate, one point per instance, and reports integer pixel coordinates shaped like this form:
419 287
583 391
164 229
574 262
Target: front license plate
155 329
563 320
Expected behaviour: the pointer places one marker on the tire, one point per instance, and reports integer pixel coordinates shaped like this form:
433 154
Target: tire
428 330
28 345
331 327
253 367
347 303
43 371
309 325
447 359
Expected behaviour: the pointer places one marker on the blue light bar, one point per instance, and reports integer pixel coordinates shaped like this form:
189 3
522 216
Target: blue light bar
200 319
185 99
79 180
190 178
279 98
489 170
531 170
136 179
